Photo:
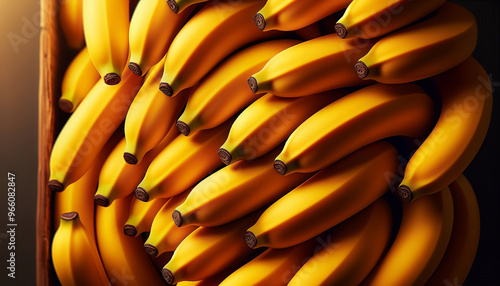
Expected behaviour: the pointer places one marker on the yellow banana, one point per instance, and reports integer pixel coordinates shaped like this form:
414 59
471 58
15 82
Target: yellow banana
217 30
71 22
368 19
326 199
239 186
78 80
88 129
106 27
152 29
178 6
269 121
423 49
352 249
141 216
224 91
74 254
123 257
119 179
367 115
289 15
420 243
467 100
165 236
150 116
464 239
184 162
310 67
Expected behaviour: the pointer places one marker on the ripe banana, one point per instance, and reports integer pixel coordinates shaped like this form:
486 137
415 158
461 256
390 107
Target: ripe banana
178 6
152 29
70 244
269 121
239 186
289 15
119 179
368 19
423 49
184 162
217 30
141 216
467 100
464 240
326 199
352 249
88 129
71 22
78 80
310 67
106 27
421 241
224 91
165 236
367 115
123 257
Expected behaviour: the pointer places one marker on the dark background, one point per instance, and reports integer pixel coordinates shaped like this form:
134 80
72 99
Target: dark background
19 119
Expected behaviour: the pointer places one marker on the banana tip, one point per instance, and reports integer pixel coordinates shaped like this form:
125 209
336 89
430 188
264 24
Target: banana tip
66 105
340 30
69 216
225 156
129 158
173 6
177 217
168 276
112 79
280 167
55 186
135 68
183 128
361 69
141 194
101 200
252 83
250 239
130 230
166 89
151 250
405 194
260 21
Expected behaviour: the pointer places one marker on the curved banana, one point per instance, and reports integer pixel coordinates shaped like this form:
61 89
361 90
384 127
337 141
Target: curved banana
74 254
88 129
165 236
326 199
224 91
368 19
360 118
239 186
152 30
289 15
78 80
123 257
269 121
184 162
106 27
141 216
421 241
464 240
467 101
352 249
217 30
71 22
311 67
178 6
422 50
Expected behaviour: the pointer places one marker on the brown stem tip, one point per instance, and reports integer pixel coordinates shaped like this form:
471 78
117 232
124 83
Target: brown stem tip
225 156
135 68
168 276
173 6
101 200
404 193
341 30
361 69
280 167
55 186
252 83
250 239
130 230
129 158
166 89
69 216
260 21
151 250
183 128
66 105
177 217
141 194
112 79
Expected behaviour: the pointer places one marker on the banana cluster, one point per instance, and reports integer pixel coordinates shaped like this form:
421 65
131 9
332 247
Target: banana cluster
262 142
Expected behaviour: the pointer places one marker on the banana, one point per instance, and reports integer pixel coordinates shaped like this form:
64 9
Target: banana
289 15
464 240
119 179
239 186
88 129
178 6
152 29
326 199
224 91
423 49
71 22
420 243
184 162
467 101
269 121
217 30
123 257
150 116
71 243
311 67
208 251
352 249
141 216
106 28
368 19
78 80
375 112
165 236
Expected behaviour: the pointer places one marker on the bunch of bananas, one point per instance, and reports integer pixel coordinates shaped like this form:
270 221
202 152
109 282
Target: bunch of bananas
262 142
